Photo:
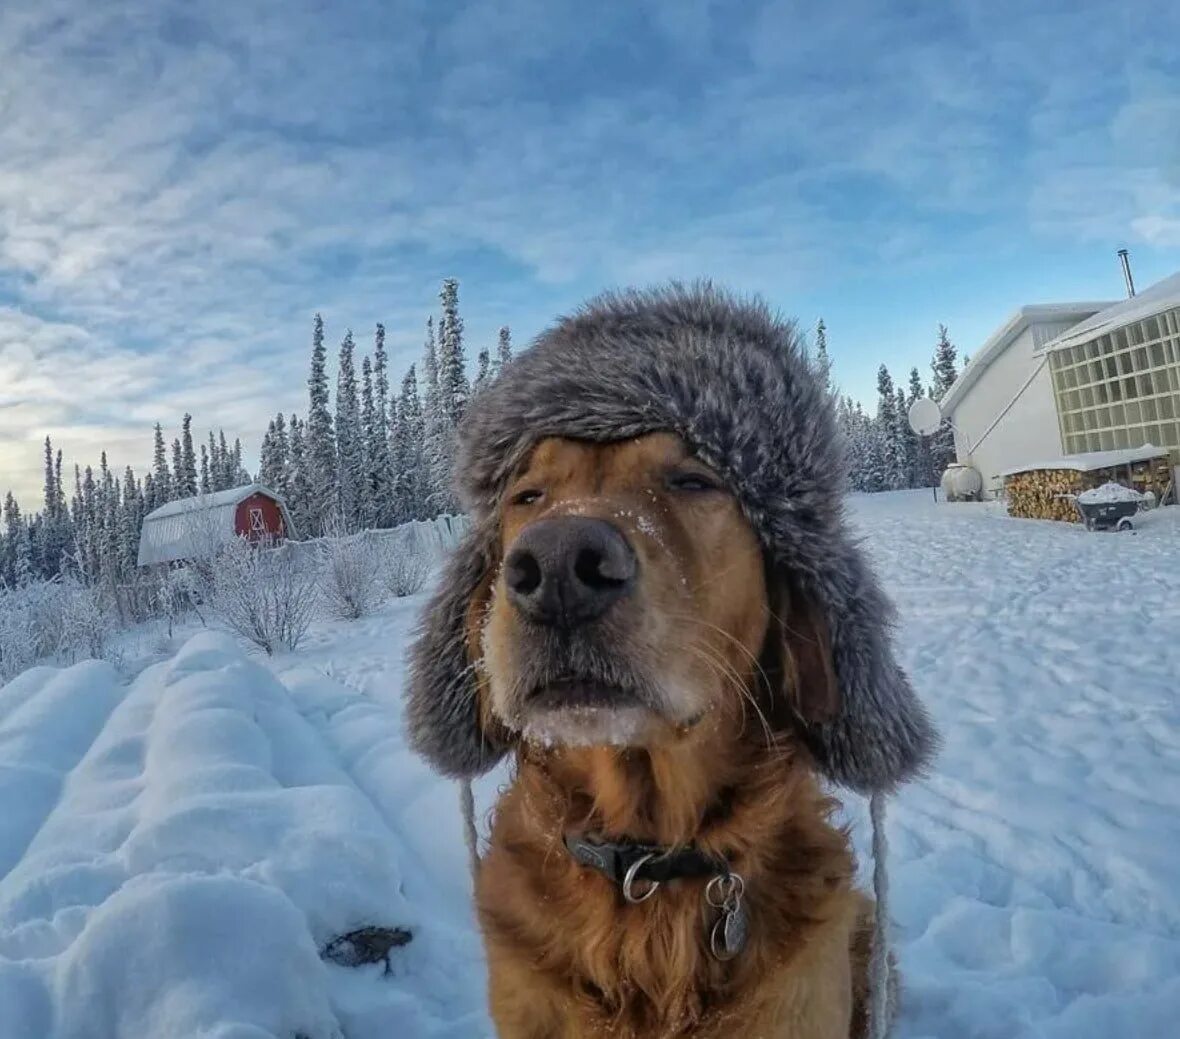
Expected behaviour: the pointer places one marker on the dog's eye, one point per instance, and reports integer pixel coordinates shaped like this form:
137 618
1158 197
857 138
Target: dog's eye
691 481
526 497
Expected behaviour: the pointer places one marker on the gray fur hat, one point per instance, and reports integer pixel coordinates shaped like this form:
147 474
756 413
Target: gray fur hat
732 380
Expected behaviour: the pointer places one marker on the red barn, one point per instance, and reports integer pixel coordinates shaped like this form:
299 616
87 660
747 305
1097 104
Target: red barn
194 528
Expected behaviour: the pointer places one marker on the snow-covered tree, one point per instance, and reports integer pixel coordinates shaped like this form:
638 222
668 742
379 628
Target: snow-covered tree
892 470
820 361
187 474
161 476
438 435
319 440
483 369
349 440
380 458
299 501
943 364
452 359
370 478
177 468
269 471
411 474
942 443
503 349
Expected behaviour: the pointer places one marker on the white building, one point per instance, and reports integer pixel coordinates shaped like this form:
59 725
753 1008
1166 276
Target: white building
1002 404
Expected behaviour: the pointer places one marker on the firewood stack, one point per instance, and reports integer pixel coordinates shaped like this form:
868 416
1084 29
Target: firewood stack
1039 494
1042 493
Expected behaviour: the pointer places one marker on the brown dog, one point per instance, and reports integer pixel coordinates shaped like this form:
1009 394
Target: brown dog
660 612
630 637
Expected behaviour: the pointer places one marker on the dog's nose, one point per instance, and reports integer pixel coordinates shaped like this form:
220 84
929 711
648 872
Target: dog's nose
569 570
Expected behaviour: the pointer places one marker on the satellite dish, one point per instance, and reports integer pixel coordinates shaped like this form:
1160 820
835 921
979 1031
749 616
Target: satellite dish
925 416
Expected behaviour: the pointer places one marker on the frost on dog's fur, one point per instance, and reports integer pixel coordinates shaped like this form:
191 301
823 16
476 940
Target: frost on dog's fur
732 380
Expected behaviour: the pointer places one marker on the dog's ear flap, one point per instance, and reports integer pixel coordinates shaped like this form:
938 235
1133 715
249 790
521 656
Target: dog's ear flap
850 701
808 676
446 720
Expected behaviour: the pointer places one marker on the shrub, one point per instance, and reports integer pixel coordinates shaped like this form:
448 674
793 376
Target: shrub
350 575
266 596
404 569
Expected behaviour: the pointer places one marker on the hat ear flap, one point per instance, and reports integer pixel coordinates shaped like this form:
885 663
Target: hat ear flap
850 701
446 721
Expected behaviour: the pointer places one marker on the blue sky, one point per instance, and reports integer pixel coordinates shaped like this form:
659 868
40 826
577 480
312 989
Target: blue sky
183 184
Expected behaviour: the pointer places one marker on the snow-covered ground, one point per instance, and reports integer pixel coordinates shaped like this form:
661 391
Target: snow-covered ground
176 852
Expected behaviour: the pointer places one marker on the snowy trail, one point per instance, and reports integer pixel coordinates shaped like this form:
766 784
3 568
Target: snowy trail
175 852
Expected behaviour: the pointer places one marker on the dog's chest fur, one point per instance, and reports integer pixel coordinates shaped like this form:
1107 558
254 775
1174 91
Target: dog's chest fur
569 958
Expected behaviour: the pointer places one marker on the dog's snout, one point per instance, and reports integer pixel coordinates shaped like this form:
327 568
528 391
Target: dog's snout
569 570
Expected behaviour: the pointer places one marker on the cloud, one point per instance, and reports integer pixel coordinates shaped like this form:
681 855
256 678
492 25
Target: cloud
184 184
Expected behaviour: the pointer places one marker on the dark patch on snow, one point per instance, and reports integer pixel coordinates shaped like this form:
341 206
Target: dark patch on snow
366 945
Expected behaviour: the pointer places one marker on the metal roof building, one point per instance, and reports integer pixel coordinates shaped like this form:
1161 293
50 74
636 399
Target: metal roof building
195 528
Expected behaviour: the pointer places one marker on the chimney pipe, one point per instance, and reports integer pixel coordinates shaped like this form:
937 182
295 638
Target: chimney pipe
1125 260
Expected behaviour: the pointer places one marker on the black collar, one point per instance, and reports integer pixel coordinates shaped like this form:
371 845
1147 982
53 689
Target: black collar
629 863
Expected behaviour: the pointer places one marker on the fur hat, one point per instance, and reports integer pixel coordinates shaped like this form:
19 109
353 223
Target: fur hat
733 381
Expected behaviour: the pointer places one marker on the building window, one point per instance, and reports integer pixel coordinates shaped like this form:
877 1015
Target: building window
257 523
1129 398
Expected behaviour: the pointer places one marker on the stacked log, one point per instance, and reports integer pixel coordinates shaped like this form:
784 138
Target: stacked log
1044 493
1041 494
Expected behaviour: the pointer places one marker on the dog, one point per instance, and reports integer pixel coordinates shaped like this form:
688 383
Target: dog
677 659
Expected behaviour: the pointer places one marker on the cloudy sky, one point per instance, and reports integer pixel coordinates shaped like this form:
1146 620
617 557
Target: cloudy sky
182 185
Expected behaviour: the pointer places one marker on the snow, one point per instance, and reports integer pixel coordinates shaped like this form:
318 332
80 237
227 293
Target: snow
1163 295
1109 492
1085 463
177 851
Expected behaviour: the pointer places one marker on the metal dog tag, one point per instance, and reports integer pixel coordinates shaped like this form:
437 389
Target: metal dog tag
730 933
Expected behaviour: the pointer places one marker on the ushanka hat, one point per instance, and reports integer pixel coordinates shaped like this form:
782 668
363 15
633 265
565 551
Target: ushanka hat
733 381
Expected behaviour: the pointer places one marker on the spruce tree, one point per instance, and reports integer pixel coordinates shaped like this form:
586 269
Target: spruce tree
282 452
177 469
821 362
503 349
892 462
380 458
370 436
452 360
942 443
205 487
319 440
188 460
268 470
908 440
161 476
241 477
483 366
13 522
225 464
437 436
349 442
943 364
299 502
130 521
411 474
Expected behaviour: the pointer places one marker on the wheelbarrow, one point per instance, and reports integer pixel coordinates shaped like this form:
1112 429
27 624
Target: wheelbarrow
1109 507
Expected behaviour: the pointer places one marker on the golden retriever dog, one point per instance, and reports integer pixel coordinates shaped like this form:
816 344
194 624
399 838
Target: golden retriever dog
675 682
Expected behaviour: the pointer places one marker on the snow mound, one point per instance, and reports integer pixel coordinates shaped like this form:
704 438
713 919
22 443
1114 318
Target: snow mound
1109 493
182 852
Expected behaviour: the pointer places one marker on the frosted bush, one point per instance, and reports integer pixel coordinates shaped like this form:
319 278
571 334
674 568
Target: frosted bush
266 596
404 569
350 575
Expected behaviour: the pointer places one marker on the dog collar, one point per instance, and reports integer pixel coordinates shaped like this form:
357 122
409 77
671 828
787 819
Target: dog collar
639 869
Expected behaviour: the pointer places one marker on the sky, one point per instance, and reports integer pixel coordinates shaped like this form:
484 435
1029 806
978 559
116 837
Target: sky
183 185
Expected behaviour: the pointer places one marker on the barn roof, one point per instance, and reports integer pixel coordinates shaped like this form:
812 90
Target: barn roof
192 528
